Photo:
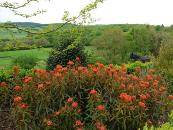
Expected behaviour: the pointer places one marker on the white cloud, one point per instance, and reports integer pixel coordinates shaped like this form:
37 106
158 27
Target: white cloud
110 12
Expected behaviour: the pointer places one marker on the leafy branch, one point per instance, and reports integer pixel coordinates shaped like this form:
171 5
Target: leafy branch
14 7
83 17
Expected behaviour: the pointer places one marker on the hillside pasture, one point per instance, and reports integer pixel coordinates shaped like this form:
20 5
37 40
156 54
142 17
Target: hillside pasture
6 57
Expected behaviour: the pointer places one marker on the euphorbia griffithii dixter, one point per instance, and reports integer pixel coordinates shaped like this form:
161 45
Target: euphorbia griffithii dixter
93 92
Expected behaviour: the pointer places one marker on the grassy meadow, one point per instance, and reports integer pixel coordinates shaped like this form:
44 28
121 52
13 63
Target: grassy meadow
6 57
42 54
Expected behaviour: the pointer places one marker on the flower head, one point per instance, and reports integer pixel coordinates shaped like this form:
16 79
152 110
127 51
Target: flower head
170 97
77 59
3 84
57 113
95 70
70 63
49 123
17 88
93 92
27 79
59 67
143 97
74 104
22 105
18 99
126 98
70 100
142 104
102 128
101 107
78 123
40 86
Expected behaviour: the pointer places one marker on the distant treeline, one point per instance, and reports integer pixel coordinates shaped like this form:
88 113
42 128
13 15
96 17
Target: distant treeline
143 39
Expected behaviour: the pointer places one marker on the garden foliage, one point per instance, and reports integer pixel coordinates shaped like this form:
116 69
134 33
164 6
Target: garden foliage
69 46
95 97
25 61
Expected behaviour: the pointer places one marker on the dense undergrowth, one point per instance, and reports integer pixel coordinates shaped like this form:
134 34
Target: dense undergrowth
95 97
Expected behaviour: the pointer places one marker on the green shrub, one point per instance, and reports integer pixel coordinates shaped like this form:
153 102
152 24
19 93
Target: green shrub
144 66
68 48
25 61
5 75
164 62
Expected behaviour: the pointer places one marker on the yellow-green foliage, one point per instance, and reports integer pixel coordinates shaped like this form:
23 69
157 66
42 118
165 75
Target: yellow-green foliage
166 126
164 62
144 66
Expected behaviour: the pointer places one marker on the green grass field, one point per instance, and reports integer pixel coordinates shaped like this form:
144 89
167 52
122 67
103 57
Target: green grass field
7 56
11 34
42 54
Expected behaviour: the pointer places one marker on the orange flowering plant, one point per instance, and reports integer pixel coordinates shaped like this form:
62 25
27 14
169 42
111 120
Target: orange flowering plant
94 97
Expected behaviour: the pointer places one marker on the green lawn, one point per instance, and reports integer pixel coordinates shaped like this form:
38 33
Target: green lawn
7 56
42 54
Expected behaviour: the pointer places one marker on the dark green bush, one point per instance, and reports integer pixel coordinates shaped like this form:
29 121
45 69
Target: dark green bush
69 47
25 61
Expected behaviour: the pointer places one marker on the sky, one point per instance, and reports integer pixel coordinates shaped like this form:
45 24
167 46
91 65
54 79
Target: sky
154 12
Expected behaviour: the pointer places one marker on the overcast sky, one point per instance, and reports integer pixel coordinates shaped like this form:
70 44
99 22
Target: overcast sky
110 12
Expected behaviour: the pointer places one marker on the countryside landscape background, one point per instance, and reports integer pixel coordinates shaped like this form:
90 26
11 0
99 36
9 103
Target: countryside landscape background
77 75
99 40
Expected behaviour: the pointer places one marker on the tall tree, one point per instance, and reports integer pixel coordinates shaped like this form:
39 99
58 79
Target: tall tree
113 46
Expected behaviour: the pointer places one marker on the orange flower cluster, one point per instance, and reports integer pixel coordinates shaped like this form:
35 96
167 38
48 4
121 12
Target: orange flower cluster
142 104
18 102
74 105
22 105
3 84
100 126
70 63
126 98
40 86
101 108
17 99
78 125
93 92
27 79
49 123
18 88
170 97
